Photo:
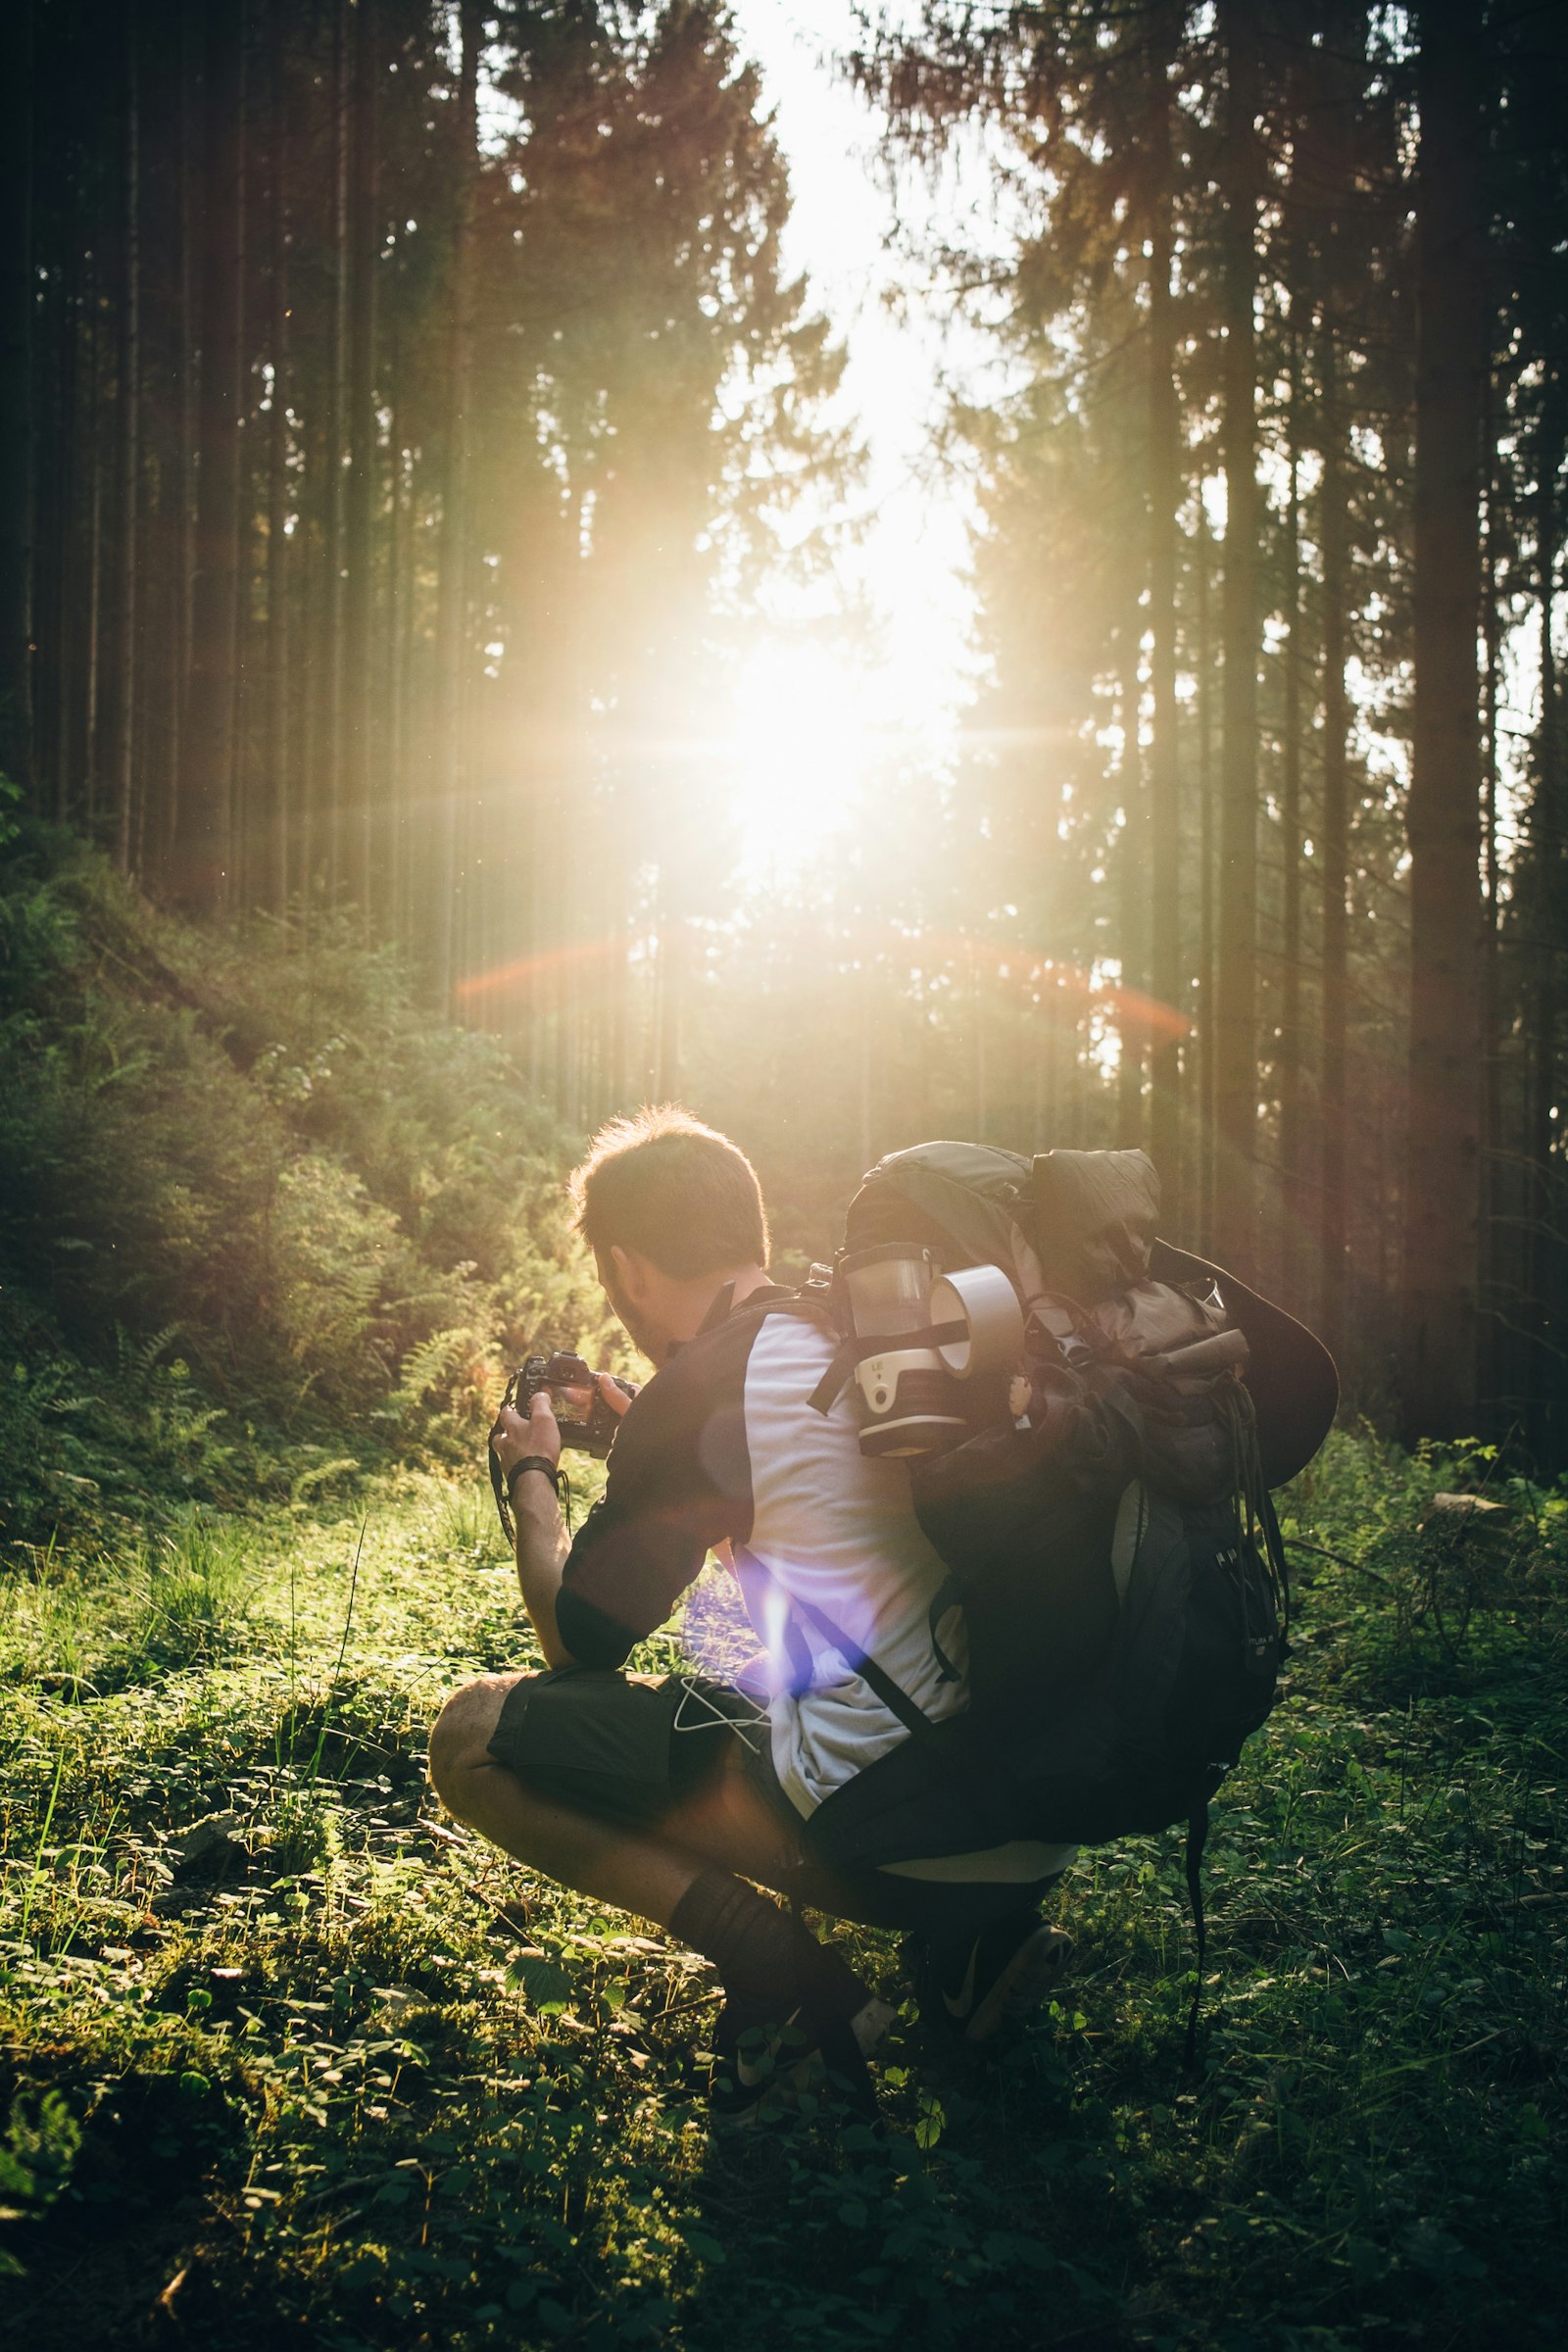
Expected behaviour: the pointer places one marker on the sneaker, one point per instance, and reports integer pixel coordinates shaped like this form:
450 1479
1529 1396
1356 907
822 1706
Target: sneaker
764 2070
971 1986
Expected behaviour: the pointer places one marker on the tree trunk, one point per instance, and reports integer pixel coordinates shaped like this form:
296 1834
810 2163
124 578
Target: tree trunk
1547 845
1292 1125
1133 869
1236 1073
204 860
1164 783
1442 1198
314 595
91 736
17 296
160 681
671 989
130 464
187 410
1334 1095
279 779
72 432
364 241
1207 1025
452 605
399 617
51 527
1492 1340
330 748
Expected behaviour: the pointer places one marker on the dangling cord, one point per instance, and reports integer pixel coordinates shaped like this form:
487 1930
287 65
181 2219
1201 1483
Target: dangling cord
1252 1472
1197 1836
718 1715
1233 1428
1262 1517
1142 1519
1279 1565
1275 1558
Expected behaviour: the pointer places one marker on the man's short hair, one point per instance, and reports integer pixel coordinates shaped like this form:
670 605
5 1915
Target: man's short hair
681 1193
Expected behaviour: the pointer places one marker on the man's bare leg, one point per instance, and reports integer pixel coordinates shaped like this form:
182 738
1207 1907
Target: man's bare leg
729 1823
688 1876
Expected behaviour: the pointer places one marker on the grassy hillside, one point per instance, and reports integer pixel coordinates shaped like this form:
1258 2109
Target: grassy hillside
285 2055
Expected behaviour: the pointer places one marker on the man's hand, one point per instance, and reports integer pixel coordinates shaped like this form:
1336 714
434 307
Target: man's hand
514 1437
616 1397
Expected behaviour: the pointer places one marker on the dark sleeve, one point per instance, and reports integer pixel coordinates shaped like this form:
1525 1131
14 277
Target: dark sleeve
679 1482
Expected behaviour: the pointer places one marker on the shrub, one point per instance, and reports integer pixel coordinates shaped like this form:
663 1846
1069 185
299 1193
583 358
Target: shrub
257 1145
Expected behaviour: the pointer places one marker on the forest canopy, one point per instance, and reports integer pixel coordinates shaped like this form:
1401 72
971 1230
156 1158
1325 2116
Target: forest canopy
414 429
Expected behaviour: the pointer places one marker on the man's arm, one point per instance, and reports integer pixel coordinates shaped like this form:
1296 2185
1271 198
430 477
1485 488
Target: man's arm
542 1542
677 1483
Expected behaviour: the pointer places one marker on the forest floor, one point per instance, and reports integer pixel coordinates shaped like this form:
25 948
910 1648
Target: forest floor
285 2056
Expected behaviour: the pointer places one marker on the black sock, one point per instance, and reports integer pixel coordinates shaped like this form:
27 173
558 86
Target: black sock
761 1952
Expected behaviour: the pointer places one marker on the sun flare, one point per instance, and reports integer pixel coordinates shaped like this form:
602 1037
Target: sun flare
797 752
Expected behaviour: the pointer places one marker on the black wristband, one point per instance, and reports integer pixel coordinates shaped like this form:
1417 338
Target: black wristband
532 1462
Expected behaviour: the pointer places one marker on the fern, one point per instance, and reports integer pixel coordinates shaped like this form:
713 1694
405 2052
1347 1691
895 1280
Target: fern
137 1360
343 1214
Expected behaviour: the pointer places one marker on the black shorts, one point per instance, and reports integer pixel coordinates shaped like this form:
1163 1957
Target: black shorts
629 1753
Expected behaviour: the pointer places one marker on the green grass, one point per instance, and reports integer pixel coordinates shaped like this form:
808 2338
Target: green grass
283 2055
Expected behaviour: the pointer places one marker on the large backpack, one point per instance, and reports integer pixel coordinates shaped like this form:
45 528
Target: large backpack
1106 1526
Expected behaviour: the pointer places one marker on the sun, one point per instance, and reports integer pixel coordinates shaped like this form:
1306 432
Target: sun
796 753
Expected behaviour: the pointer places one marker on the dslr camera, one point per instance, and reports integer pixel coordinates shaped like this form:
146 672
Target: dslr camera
563 1374
559 1372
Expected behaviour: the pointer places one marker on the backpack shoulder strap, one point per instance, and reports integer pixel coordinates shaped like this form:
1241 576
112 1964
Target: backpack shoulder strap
892 1695
819 1305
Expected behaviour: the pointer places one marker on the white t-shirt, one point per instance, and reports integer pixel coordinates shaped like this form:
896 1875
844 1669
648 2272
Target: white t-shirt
725 1445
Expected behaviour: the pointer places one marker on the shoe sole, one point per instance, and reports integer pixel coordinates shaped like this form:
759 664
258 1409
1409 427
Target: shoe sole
1038 1962
806 2078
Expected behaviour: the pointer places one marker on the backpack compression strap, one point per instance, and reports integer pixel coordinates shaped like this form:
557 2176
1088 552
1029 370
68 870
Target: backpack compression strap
852 1349
855 1350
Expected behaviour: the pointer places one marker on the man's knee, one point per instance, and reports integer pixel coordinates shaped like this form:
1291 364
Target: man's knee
460 1734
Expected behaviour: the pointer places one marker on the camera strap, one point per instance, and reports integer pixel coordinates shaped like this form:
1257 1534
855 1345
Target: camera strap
533 1461
503 1499
813 1304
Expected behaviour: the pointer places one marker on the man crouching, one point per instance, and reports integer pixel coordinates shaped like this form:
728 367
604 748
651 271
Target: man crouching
676 1799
